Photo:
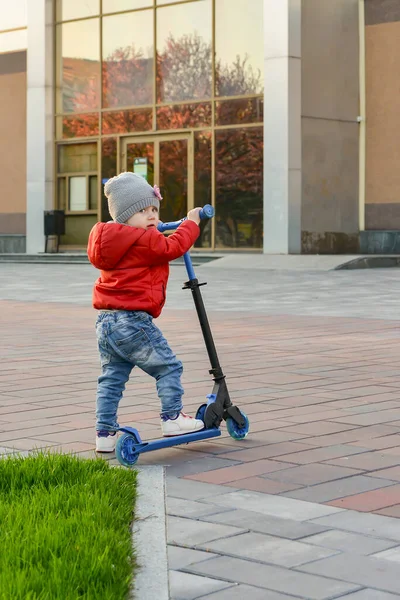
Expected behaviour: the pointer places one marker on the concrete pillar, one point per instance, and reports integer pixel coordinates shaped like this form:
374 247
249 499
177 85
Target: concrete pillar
282 127
40 119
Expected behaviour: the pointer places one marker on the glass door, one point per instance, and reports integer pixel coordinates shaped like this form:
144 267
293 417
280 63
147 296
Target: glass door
165 160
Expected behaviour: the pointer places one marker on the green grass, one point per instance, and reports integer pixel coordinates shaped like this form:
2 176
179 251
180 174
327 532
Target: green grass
65 529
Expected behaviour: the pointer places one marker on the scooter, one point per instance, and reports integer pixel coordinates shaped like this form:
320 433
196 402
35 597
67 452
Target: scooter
218 406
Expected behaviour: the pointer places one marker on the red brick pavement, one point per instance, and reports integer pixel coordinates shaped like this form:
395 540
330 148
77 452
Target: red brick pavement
322 395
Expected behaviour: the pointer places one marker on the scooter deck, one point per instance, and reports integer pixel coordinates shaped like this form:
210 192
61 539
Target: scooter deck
167 442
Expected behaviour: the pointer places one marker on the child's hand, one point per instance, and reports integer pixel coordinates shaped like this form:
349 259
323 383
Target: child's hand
194 215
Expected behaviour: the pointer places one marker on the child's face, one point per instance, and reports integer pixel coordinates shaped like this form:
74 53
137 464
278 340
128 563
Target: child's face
145 218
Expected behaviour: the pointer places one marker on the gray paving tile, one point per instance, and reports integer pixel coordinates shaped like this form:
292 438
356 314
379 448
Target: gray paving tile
363 570
333 490
349 542
193 490
186 532
268 549
377 526
179 507
393 554
277 506
239 592
178 558
285 528
311 474
185 586
200 465
369 594
274 578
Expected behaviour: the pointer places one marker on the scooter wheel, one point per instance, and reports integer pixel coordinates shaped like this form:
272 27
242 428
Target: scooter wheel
201 411
125 450
236 432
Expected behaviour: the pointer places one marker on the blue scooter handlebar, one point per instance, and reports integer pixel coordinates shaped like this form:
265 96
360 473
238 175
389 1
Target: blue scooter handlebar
207 212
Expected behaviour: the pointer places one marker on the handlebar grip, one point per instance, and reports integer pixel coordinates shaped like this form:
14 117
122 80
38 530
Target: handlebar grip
207 212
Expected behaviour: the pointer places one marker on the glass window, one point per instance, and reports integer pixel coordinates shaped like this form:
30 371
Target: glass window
77 193
239 187
202 182
62 193
76 9
239 47
126 121
13 14
108 170
77 158
113 6
244 110
78 126
128 59
184 115
79 66
184 52
93 192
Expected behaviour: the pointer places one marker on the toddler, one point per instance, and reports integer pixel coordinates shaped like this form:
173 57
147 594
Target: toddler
133 257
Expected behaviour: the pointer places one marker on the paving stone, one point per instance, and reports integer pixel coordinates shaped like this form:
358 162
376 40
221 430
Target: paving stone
338 488
369 594
311 474
391 511
285 508
193 490
238 472
179 558
268 549
185 586
239 592
392 473
260 484
349 542
200 465
392 554
368 461
369 501
186 532
284 528
387 528
179 507
274 578
363 570
303 457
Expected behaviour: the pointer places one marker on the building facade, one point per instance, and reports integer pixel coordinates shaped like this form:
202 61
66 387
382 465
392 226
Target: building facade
280 113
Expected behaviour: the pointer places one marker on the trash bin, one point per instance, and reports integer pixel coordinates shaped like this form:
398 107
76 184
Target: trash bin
54 225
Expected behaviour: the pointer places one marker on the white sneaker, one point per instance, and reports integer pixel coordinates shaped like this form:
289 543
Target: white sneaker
180 425
106 441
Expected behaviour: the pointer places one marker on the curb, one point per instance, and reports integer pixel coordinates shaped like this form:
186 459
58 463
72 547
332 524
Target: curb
150 536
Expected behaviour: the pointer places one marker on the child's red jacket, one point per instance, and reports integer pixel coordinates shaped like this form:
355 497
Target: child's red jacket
134 264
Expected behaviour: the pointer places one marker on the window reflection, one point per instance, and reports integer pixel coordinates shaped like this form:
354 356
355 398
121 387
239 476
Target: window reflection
174 179
184 52
76 9
126 121
108 170
13 14
128 59
77 158
239 47
239 187
184 115
244 110
80 66
202 182
113 6
78 126
140 159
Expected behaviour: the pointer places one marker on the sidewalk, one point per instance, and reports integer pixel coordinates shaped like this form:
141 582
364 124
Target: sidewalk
307 506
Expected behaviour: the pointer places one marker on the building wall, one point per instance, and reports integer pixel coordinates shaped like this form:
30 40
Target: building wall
382 39
13 142
330 132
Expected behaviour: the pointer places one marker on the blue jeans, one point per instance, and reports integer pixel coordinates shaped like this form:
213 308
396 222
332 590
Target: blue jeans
129 338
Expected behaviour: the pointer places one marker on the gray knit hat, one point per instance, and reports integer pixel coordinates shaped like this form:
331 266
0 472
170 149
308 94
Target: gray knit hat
127 194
